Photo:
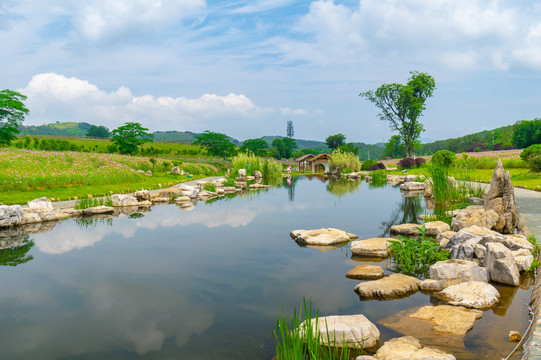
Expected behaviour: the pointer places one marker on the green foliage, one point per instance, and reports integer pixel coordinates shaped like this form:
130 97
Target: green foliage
98 131
344 160
254 145
217 144
378 176
300 340
251 163
532 156
394 148
129 137
366 164
290 146
414 256
402 105
17 255
335 141
209 187
526 133
443 158
12 113
278 149
340 187
93 202
351 148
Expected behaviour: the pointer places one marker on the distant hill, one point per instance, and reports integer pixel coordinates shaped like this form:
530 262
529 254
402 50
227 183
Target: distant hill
56 129
302 144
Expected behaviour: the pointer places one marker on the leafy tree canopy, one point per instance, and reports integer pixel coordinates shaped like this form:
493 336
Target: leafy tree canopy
217 144
335 141
128 137
394 148
526 133
254 145
290 146
402 105
98 131
278 149
350 148
12 113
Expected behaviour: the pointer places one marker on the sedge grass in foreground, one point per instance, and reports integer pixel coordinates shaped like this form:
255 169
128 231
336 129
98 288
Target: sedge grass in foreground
296 340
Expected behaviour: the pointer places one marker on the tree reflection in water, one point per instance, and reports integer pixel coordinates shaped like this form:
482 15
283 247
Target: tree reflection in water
341 187
16 254
406 213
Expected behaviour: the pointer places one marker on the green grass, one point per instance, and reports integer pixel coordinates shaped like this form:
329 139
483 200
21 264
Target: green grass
296 340
93 202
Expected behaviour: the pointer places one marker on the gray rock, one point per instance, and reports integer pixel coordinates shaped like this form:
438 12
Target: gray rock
523 259
257 174
142 195
412 186
242 172
357 330
189 191
11 215
461 270
148 173
42 204
123 200
501 265
471 294
500 198
476 201
175 170
98 210
474 215
429 192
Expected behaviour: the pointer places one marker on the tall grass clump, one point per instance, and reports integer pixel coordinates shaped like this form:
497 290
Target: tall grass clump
378 175
296 340
414 256
344 160
93 202
251 163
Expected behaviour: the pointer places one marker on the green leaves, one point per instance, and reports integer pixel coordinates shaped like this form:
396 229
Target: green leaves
217 144
414 256
129 137
12 113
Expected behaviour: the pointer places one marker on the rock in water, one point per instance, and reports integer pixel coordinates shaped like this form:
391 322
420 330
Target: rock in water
376 247
408 347
356 330
123 200
501 199
321 237
501 265
11 215
433 228
449 319
365 272
471 294
393 286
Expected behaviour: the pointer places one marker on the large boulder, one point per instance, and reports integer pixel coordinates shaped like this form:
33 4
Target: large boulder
189 191
393 286
471 294
123 200
474 215
356 330
501 265
451 272
429 192
41 204
321 237
11 215
523 259
242 172
433 228
410 348
365 272
142 195
169 193
375 247
412 186
500 198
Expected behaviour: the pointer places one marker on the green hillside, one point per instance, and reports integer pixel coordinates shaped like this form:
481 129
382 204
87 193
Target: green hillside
56 129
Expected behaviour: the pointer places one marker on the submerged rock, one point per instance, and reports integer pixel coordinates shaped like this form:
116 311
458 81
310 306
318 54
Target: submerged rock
449 319
393 286
375 247
471 294
365 272
408 347
356 330
322 236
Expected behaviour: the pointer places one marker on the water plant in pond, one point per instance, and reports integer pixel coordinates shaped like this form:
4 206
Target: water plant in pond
209 187
93 202
378 175
414 256
296 340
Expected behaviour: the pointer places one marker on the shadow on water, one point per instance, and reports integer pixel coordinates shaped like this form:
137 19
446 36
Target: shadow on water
405 213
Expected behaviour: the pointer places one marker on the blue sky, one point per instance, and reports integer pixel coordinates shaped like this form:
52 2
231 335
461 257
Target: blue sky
246 67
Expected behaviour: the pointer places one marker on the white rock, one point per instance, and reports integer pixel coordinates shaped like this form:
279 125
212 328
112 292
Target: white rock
472 294
41 204
123 200
321 237
142 195
409 348
501 265
242 172
523 259
189 191
11 215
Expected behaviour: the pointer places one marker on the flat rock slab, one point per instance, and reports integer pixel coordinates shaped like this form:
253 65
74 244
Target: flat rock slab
408 347
365 272
356 330
471 294
322 237
393 286
449 319
375 247
433 228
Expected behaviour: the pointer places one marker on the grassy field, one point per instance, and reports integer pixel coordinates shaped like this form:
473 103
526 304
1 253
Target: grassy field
64 175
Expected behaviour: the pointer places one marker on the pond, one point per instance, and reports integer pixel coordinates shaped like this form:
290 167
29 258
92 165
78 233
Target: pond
209 283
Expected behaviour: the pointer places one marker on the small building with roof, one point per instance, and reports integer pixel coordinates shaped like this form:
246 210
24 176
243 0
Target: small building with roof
304 162
320 163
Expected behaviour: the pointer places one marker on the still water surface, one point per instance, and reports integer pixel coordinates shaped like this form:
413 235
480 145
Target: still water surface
209 283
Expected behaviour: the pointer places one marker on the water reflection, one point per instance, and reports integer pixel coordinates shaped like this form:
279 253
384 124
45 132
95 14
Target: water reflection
406 213
14 247
341 187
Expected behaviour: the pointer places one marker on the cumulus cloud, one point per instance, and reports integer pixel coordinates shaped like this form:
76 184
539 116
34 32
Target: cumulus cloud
53 97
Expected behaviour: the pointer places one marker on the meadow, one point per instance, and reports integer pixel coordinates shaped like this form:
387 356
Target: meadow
64 175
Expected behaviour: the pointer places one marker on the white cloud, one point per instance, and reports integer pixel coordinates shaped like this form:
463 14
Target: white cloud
53 97
290 111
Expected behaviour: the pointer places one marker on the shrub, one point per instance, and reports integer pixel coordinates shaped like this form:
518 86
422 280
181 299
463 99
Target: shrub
420 162
444 158
532 156
366 164
344 160
406 163
378 166
251 163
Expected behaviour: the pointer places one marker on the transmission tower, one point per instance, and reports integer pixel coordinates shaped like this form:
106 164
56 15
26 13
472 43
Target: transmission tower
290 131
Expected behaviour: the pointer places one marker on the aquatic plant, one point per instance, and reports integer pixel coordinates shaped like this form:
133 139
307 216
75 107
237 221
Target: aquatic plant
93 202
209 187
296 340
414 256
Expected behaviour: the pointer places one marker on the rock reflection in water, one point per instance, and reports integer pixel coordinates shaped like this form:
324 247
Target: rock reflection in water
14 247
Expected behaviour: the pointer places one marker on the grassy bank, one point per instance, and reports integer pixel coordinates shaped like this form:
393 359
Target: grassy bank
63 175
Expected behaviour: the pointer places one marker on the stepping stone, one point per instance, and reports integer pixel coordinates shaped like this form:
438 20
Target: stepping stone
408 347
449 319
365 272
322 237
471 294
433 229
375 247
393 286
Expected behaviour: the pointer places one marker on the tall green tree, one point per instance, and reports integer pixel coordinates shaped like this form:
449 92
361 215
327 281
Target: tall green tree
217 144
290 146
129 137
402 106
335 141
12 113
526 133
254 145
394 148
278 149
98 131
350 148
